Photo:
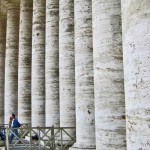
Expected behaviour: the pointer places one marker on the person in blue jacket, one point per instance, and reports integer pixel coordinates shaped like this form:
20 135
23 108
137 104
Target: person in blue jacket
15 124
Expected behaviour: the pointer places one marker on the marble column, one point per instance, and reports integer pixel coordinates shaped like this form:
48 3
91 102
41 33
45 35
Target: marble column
108 75
136 52
52 63
66 64
38 63
85 122
24 66
11 61
2 64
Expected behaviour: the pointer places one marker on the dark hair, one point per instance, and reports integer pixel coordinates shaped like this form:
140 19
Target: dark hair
13 115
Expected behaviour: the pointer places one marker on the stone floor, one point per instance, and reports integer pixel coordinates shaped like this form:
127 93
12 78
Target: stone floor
22 146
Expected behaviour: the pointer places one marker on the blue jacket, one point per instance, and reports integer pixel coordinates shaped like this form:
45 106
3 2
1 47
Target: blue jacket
15 123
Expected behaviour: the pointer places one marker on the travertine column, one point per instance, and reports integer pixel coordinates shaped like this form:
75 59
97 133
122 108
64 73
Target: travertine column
38 63
136 51
66 63
24 68
108 75
11 61
2 64
52 62
85 123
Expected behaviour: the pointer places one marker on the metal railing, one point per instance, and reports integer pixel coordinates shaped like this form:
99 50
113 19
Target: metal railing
22 129
49 138
3 130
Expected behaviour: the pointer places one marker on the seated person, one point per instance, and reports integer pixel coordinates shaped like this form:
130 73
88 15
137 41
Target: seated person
35 137
2 135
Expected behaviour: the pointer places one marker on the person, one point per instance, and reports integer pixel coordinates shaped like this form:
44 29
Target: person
15 124
2 135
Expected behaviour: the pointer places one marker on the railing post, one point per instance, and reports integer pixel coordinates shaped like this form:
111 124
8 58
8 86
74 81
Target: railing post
39 139
30 138
53 138
61 139
7 138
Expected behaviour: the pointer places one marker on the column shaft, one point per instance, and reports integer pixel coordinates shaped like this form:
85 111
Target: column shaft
11 61
2 64
38 63
108 75
52 62
85 122
66 63
24 68
136 51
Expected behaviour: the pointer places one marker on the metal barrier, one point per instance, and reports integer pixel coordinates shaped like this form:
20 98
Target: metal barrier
3 130
22 129
49 138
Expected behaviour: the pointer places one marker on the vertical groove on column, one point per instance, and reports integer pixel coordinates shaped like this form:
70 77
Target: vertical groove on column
2 64
85 122
24 68
11 61
66 63
38 63
108 75
52 62
136 51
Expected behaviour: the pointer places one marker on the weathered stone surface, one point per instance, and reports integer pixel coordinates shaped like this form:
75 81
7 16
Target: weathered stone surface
2 64
108 75
52 62
85 122
38 63
1 143
66 63
136 48
11 61
24 68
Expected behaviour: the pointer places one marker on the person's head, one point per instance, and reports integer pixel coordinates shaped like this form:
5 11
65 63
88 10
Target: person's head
13 116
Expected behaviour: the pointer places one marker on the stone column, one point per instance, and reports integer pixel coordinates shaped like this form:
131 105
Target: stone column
24 68
136 51
38 63
2 64
11 61
66 63
52 63
108 75
85 122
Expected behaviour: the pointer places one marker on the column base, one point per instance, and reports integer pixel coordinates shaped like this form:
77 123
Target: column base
81 146
64 142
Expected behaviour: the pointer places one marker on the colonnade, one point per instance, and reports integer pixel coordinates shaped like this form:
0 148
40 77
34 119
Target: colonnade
78 63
